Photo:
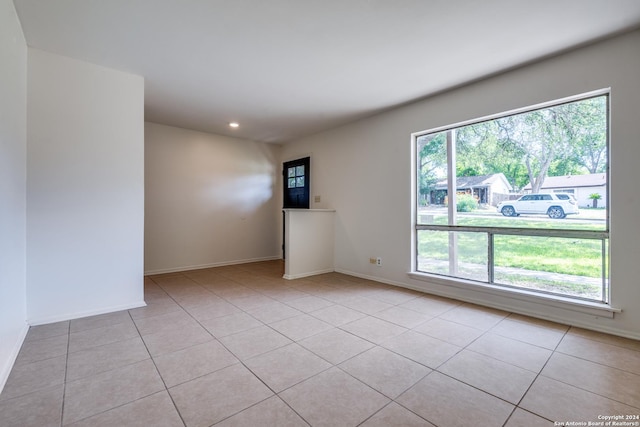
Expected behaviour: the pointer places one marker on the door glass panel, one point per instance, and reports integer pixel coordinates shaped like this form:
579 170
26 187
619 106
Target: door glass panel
300 171
292 183
300 181
292 172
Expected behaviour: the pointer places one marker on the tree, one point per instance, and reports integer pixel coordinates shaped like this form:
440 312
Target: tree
480 152
590 139
432 161
543 136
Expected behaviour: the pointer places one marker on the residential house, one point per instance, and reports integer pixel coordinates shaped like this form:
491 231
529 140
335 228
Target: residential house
486 189
581 186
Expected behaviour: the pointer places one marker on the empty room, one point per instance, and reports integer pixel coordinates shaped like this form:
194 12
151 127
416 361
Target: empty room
319 213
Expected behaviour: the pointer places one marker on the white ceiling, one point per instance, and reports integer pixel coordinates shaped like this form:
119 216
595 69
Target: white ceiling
289 68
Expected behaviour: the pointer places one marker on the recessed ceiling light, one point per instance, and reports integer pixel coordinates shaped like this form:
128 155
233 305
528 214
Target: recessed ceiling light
234 124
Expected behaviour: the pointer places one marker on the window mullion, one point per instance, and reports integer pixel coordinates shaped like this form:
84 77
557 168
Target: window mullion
451 197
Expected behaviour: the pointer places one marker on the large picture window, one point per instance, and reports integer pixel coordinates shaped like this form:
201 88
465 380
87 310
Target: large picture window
518 200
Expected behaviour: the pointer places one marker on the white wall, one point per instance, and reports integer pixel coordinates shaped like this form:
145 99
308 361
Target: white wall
309 242
13 179
209 200
85 188
363 171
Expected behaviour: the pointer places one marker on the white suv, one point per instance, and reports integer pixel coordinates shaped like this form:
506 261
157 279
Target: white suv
556 205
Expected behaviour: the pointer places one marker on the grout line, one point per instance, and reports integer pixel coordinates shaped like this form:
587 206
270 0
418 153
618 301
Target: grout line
66 368
242 276
166 389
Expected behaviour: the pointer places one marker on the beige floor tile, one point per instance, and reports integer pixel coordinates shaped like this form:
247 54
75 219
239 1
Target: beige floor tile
300 327
270 412
105 358
253 342
395 296
335 345
508 350
193 362
219 395
284 294
560 402
431 305
395 415
334 398
211 311
309 303
451 332
402 317
47 331
605 338
154 308
590 373
37 409
386 372
174 339
546 324
100 321
34 376
336 295
444 401
200 299
101 336
475 316
155 324
233 291
286 366
250 302
98 393
420 348
273 312
529 332
522 418
231 324
608 382
46 348
498 378
156 410
337 315
366 305
606 354
373 329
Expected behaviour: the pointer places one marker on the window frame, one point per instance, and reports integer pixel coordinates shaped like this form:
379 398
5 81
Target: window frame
588 305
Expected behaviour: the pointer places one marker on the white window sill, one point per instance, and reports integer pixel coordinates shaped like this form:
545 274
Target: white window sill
588 307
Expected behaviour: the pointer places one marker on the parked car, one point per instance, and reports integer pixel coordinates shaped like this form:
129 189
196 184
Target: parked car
556 205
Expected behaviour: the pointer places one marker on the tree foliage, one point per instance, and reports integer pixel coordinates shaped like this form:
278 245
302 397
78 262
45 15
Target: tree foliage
566 139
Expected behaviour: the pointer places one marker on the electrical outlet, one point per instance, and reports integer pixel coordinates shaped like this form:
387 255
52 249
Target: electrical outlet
316 199
378 261
372 260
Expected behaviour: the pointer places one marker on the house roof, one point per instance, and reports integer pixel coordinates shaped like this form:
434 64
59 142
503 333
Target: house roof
572 181
476 181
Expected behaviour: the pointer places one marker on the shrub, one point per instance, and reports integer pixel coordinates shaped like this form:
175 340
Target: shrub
466 203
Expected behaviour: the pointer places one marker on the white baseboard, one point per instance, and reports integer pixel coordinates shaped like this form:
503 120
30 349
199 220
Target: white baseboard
214 264
512 308
313 273
8 364
70 316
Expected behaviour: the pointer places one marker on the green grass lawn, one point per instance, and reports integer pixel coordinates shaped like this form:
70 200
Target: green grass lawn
580 257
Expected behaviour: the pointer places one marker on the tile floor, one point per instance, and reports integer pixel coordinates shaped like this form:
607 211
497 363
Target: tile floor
240 346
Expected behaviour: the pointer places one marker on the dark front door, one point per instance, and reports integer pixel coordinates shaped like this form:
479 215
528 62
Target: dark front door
296 184
295 178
